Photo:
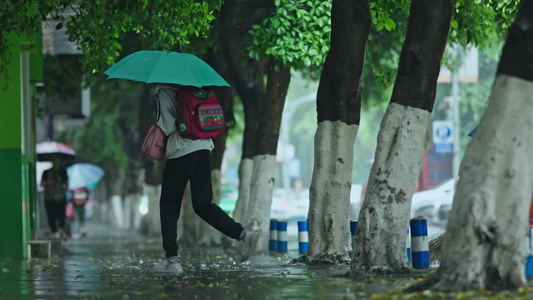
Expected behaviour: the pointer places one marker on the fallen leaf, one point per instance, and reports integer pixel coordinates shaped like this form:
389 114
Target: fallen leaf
5 270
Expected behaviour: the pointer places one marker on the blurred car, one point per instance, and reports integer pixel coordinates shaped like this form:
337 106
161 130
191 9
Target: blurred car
228 198
289 205
435 204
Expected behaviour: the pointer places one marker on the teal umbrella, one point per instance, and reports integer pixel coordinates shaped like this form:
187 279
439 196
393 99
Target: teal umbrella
166 67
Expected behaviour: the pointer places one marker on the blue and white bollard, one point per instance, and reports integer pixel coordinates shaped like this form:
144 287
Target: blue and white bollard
303 236
408 245
529 251
282 236
273 238
419 243
353 227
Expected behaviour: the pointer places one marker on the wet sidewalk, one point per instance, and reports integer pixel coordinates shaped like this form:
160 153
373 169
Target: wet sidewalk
114 264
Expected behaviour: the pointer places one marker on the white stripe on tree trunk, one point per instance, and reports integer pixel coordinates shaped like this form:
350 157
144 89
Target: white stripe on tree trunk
245 178
329 210
379 242
262 185
489 220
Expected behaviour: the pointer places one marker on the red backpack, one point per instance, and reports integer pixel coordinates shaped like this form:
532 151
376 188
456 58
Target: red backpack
199 114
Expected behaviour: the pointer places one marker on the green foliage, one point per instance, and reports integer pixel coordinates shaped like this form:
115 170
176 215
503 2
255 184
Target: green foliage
381 11
482 23
62 75
164 25
97 25
476 23
97 142
297 34
114 106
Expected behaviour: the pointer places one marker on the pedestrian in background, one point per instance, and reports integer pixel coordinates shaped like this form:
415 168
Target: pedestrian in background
79 198
55 184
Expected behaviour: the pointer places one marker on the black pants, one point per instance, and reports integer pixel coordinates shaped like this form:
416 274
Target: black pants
55 212
79 214
195 167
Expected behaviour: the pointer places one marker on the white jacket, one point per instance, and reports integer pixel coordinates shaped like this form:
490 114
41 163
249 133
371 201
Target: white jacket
177 145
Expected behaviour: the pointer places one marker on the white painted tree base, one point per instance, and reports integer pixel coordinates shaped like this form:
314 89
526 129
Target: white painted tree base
116 205
380 239
484 245
209 236
246 168
153 218
329 210
262 186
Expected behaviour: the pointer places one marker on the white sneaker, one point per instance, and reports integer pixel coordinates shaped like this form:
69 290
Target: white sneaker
249 243
56 235
170 266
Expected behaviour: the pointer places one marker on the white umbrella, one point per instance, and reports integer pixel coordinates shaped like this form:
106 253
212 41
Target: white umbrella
83 175
45 150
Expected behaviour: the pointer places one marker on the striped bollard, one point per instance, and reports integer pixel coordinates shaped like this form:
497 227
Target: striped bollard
303 236
273 239
419 243
408 245
282 236
353 227
529 263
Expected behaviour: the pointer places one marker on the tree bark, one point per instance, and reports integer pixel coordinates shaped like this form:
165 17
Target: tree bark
380 239
264 160
338 107
247 77
484 245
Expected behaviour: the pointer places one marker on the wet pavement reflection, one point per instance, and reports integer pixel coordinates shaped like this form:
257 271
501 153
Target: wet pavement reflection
118 265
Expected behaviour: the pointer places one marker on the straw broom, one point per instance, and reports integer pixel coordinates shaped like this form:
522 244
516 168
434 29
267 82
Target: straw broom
435 242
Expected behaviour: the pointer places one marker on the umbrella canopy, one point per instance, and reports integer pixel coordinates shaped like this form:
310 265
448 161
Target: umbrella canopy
45 151
83 175
166 67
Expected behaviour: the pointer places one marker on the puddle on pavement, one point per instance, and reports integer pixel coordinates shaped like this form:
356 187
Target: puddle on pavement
122 269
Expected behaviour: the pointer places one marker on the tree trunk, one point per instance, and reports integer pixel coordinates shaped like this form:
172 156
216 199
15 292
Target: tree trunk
246 168
379 242
264 161
338 107
247 79
484 245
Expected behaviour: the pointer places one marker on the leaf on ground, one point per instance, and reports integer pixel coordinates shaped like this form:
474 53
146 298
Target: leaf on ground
90 259
5 270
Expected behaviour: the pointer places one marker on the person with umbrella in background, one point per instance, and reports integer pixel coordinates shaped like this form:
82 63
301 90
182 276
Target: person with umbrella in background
55 184
83 177
188 159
